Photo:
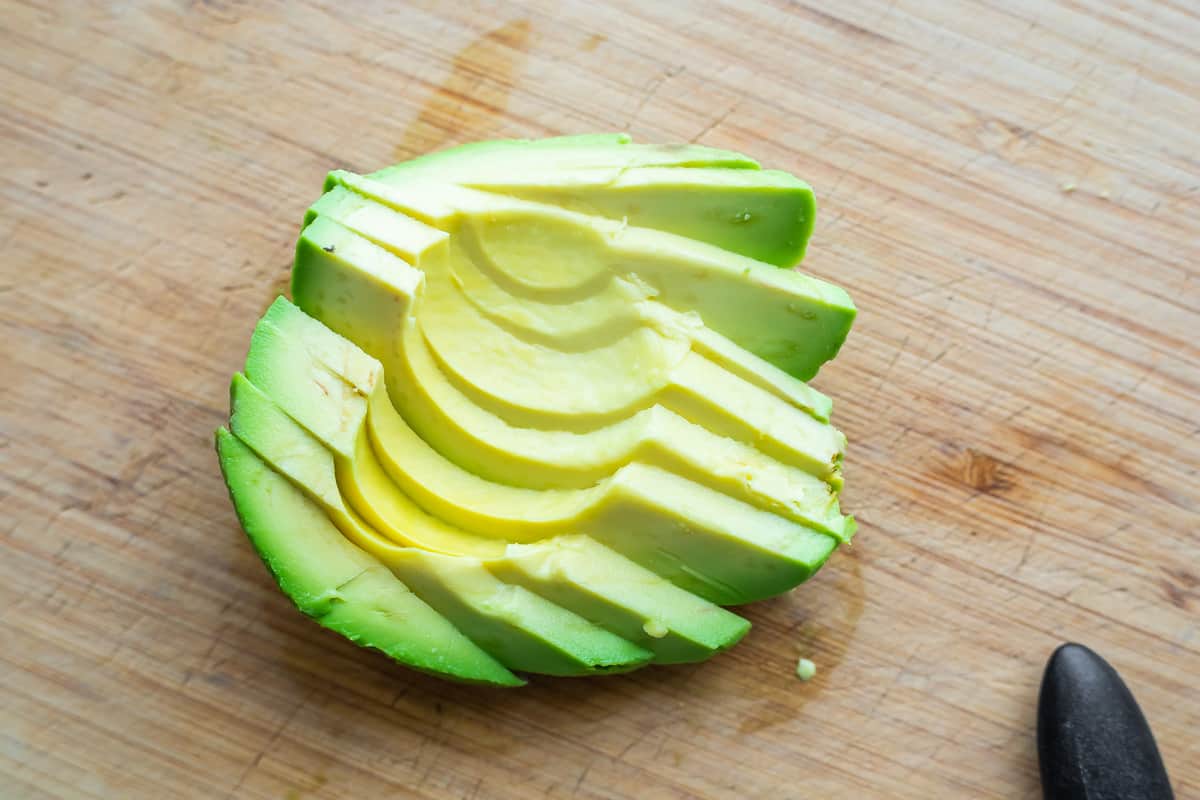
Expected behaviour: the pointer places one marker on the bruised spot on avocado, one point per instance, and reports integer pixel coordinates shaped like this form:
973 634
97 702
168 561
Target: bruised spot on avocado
329 248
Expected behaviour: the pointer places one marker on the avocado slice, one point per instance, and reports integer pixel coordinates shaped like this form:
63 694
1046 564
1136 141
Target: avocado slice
364 292
603 151
705 194
340 586
765 215
635 603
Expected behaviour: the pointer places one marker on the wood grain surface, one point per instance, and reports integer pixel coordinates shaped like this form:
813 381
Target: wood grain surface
1010 190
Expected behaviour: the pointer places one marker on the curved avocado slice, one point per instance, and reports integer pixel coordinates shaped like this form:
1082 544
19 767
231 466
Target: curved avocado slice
634 602
364 292
611 151
710 195
761 214
340 586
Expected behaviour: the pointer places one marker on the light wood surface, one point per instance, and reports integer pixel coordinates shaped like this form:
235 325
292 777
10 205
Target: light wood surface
1010 190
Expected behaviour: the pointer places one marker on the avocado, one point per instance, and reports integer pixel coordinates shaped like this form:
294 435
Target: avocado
555 393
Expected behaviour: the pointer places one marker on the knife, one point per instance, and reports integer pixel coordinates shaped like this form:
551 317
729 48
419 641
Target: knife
1093 741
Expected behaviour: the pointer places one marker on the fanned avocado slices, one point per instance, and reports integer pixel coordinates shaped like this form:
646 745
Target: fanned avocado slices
540 407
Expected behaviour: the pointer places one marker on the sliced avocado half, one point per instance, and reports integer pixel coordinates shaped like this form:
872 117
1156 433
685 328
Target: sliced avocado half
551 395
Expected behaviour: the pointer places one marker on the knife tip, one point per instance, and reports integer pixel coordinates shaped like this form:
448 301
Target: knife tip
1093 741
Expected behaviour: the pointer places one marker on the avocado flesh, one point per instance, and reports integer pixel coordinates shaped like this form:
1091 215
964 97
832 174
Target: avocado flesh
612 151
329 282
705 194
789 319
340 586
761 214
537 635
611 311
377 516
636 603
747 552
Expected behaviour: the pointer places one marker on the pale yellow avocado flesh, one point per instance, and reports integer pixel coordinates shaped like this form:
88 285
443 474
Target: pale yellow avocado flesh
520 628
399 533
695 386
786 488
750 550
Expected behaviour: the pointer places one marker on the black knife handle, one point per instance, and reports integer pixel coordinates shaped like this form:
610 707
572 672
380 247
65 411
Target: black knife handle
1093 741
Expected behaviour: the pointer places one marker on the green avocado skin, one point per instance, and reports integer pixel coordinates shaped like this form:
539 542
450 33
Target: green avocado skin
340 586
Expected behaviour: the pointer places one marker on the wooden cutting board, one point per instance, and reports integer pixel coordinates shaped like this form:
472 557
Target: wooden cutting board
1010 190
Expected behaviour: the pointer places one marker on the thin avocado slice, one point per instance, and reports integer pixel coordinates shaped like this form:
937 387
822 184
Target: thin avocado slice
597 583
522 629
710 195
766 215
730 554
340 586
612 151
537 635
